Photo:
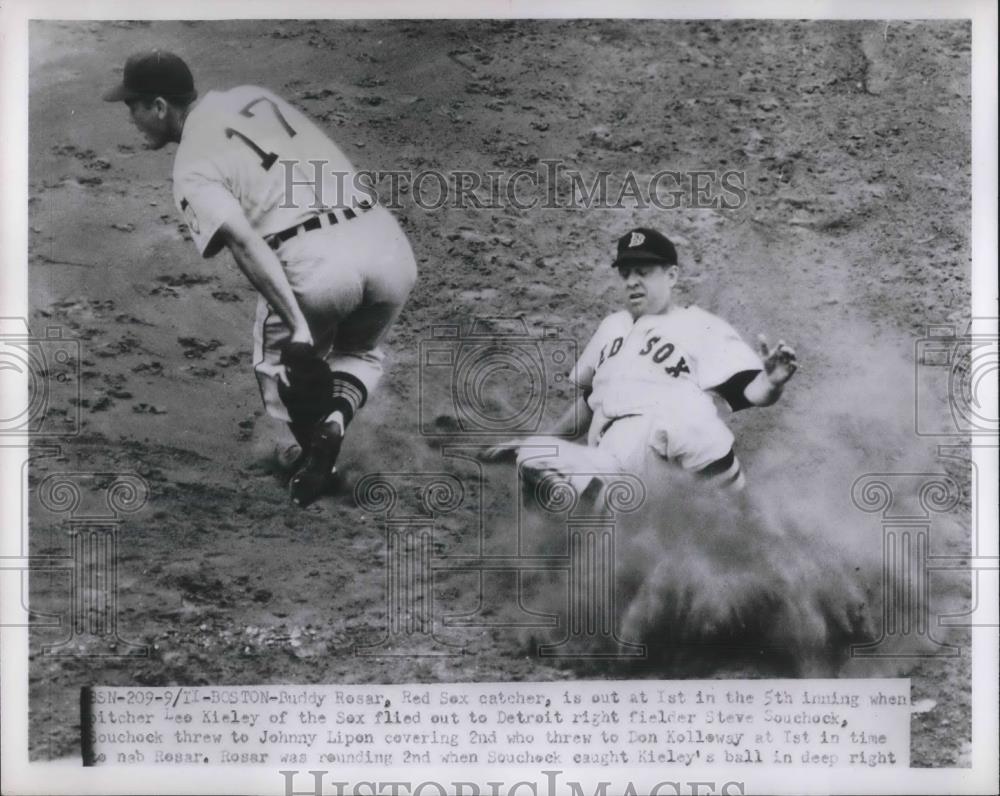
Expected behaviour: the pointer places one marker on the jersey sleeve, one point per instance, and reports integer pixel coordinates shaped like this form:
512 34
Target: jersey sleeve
726 363
205 203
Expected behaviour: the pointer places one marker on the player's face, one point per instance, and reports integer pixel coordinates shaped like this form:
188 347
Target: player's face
648 288
151 120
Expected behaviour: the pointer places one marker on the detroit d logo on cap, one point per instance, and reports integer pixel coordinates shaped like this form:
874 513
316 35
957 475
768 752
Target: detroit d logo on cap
637 239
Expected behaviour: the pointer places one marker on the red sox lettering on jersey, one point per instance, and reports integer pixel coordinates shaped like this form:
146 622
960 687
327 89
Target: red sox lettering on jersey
664 364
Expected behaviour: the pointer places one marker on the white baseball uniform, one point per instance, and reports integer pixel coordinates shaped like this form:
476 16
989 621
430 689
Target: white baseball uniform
649 383
247 151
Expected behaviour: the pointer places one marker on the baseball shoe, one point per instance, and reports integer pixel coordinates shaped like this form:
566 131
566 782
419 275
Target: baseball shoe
315 473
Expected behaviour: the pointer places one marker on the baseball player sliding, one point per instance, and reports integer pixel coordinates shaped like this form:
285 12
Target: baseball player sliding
333 269
646 381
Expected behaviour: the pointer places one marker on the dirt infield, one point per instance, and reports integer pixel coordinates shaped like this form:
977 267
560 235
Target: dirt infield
852 236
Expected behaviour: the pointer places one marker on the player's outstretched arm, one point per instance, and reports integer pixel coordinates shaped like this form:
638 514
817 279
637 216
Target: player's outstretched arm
780 364
574 420
263 269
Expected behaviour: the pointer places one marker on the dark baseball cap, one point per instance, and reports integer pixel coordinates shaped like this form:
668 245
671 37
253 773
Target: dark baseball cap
154 74
643 246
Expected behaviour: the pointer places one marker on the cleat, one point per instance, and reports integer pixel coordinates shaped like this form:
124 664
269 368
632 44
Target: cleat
315 474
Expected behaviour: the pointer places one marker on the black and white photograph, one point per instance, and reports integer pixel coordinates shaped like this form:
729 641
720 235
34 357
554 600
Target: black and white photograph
535 401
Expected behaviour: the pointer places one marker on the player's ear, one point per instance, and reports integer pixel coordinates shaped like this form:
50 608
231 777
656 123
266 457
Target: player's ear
673 272
161 106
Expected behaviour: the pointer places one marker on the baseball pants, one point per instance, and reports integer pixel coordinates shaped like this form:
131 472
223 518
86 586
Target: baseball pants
351 281
640 445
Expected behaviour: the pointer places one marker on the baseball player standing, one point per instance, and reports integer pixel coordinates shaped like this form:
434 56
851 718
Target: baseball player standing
646 382
333 269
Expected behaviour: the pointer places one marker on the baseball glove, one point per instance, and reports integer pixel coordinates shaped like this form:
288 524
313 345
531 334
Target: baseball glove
308 396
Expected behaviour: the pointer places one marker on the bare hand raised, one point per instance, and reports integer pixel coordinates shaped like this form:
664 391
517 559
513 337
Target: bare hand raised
780 362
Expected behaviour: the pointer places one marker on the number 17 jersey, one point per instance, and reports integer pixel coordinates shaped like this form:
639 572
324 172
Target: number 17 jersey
248 151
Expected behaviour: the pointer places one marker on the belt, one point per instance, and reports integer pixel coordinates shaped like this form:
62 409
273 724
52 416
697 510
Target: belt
327 219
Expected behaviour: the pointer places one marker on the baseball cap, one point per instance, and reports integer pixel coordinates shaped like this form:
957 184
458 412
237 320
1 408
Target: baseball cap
644 246
154 74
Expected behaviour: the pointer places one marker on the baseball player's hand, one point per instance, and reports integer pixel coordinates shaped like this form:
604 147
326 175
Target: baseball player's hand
301 341
780 362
